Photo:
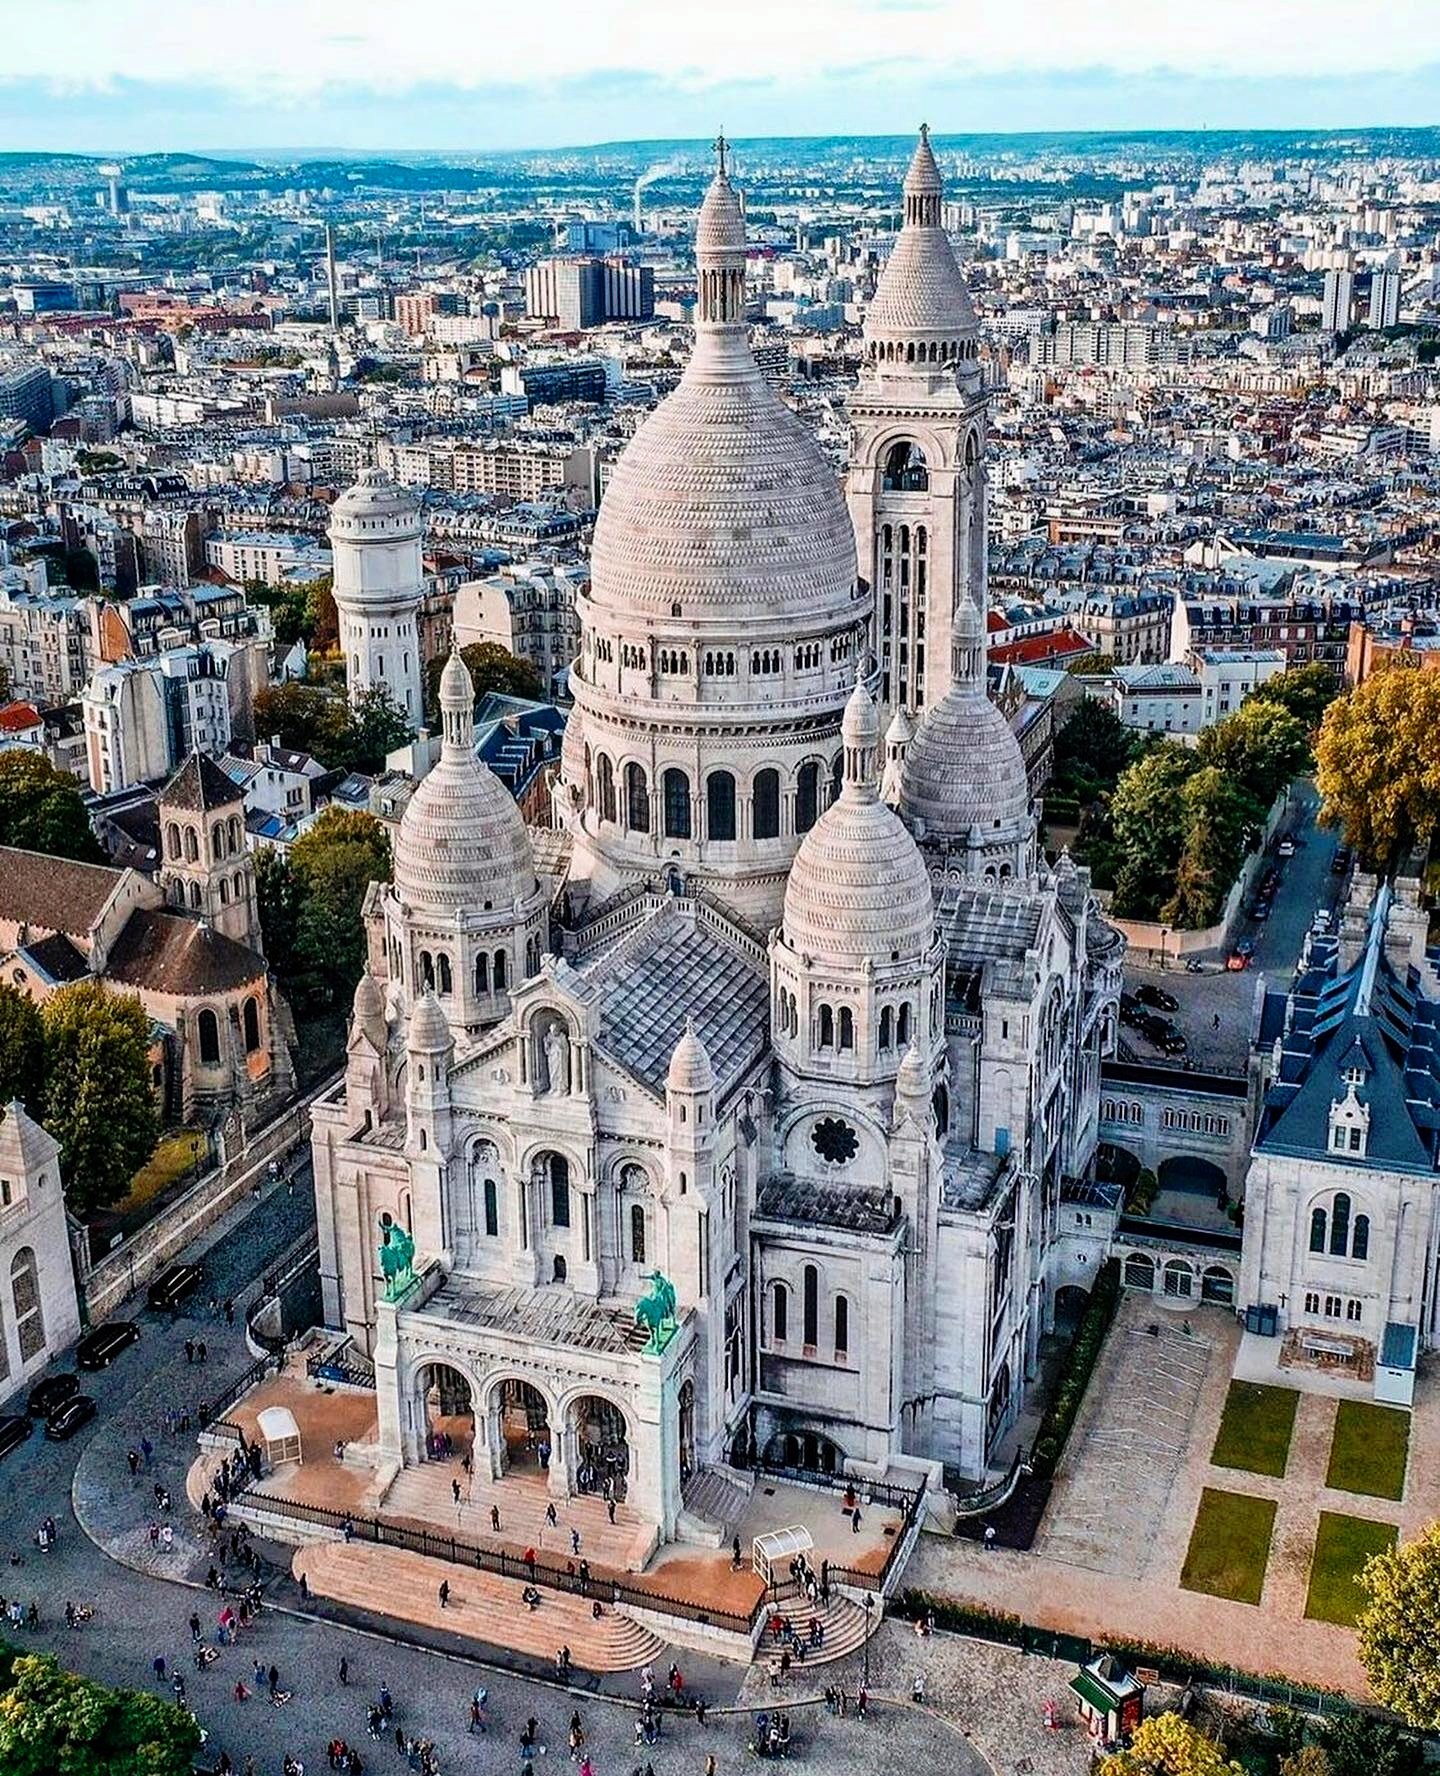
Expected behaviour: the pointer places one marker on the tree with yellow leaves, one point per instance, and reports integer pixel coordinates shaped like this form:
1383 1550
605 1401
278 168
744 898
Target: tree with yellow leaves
1167 1745
1400 1628
1378 763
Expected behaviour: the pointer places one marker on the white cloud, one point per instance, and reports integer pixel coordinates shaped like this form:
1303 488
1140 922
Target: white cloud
287 49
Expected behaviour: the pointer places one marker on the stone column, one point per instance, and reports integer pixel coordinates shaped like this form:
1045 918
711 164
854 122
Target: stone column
391 1432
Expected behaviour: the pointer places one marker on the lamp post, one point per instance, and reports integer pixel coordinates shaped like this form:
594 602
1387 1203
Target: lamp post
869 1605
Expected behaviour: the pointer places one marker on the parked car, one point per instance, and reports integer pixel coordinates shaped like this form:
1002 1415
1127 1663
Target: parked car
1286 847
69 1416
46 1395
98 1349
172 1285
14 1429
1165 1035
1235 962
1320 924
1340 862
1132 1012
1149 994
1260 910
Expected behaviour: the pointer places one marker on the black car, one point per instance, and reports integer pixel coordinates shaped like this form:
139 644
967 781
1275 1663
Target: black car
1157 997
46 1395
98 1349
1166 1037
69 1416
1132 1012
13 1431
172 1286
1340 862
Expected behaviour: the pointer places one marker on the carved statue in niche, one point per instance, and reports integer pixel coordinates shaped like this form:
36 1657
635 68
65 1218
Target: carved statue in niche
553 1056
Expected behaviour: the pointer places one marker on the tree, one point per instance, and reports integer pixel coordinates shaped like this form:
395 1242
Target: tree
1219 818
1378 758
99 1104
1400 1628
1360 1745
1306 691
1307 1760
377 727
1149 817
493 668
279 897
22 1050
41 809
319 721
335 861
322 616
53 1720
1091 751
1260 748
1166 1745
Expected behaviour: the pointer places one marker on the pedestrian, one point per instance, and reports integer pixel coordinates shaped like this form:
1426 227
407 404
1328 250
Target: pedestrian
272 1677
495 1518
189 1350
1215 1021
304 1589
444 1594
477 1720
200 1351
709 1763
344 1673
194 1626
610 1509
735 1555
242 1694
550 1516
574 1541
147 1449
133 1457
862 1702
157 1665
989 1538
229 1313
348 1530
177 1684
455 1491
855 1521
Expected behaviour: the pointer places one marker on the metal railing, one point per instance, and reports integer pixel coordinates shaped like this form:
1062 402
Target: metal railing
880 1492
990 1498
334 1365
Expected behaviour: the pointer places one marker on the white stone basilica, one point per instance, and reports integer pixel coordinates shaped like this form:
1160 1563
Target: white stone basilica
822 1056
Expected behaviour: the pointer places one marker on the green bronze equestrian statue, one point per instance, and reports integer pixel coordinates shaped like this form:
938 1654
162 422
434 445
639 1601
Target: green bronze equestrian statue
657 1311
397 1260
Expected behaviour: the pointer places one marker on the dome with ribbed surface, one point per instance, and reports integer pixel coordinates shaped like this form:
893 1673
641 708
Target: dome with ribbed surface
964 768
374 499
429 1032
690 1068
858 888
921 296
462 844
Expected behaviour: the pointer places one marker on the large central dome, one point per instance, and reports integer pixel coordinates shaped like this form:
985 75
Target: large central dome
722 504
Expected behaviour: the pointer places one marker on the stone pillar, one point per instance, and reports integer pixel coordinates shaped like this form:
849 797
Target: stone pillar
389 1410
562 1452
494 1435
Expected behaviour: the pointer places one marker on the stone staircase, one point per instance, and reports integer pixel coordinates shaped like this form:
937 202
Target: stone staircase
482 1606
842 1620
715 1502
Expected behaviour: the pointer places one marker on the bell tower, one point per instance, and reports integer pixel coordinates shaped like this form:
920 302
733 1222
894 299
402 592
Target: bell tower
916 484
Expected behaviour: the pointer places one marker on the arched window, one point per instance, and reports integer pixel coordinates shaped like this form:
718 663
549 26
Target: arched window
482 973
442 963
842 1326
559 1190
217 843
195 896
837 775
427 970
192 845
497 971
1317 1230
605 787
1360 1239
810 1306
767 804
637 1233
903 1032
807 796
224 891
234 833
720 805
827 1027
637 799
25 1294
675 794
1339 1225
780 1314
558 1270
492 1208
905 470
207 1029
250 1020
847 1027
172 840
887 1027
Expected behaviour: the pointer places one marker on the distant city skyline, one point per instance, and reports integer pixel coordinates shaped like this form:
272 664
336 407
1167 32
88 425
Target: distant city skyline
138 75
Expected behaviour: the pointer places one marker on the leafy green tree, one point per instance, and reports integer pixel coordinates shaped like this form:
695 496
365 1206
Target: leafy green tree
313 719
1306 691
1360 1745
1167 1745
493 668
22 1050
1219 820
1091 751
1400 1629
99 1104
41 809
1378 758
56 1723
280 897
321 615
1149 818
1259 748
335 861
377 727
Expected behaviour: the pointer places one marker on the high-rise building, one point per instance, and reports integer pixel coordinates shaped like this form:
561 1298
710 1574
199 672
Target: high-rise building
573 294
27 395
1384 299
1338 302
375 537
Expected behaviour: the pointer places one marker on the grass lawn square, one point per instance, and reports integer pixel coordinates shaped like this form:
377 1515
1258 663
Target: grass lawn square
1342 1547
1229 1546
1369 1450
1255 1428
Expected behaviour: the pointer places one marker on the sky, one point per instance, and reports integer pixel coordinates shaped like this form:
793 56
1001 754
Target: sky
131 76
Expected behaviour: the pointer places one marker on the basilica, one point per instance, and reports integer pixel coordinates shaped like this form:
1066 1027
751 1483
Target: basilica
790 1028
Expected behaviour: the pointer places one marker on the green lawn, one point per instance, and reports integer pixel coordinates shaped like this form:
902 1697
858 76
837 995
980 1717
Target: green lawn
1342 1547
176 1155
1229 1545
1369 1450
1255 1428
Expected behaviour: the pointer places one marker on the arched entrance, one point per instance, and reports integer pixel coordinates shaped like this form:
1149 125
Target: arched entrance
1218 1285
809 1451
524 1427
602 1446
1190 1175
1116 1165
1070 1302
449 1411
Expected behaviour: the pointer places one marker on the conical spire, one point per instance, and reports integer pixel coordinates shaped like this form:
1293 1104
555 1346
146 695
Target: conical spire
457 703
923 185
720 250
921 321
860 735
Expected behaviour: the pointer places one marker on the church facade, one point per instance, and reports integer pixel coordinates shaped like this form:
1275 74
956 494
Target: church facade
807 1032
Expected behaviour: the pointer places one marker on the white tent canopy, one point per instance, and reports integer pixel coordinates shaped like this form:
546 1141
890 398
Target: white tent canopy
281 1434
777 1548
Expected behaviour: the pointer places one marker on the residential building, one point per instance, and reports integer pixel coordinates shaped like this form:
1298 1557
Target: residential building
39 1307
143 717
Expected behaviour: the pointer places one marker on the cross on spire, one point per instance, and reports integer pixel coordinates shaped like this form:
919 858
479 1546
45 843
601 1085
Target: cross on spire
722 147
924 132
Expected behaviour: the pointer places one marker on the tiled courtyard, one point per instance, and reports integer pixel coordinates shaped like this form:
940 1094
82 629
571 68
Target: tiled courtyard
1121 1528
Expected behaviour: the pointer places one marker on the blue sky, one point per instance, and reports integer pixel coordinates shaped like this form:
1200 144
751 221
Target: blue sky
132 75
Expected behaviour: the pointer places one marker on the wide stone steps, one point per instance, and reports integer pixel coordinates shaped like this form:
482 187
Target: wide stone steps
482 1605
842 1621
711 1498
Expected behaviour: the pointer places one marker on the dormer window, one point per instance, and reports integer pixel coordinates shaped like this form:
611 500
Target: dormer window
1349 1123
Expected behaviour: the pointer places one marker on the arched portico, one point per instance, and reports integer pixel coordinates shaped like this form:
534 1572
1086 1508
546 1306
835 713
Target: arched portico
598 1445
446 1409
518 1434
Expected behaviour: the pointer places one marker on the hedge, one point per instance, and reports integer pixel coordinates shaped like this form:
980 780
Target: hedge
1080 1360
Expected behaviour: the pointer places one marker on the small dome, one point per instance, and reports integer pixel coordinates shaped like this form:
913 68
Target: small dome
860 724
922 177
913 1078
374 497
429 1031
921 294
368 1010
690 1069
457 688
901 730
720 228
964 768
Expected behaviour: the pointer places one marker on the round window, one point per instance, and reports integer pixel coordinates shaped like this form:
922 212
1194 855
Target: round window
835 1141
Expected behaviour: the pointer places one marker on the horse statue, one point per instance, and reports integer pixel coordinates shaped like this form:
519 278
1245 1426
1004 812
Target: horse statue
657 1311
397 1260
